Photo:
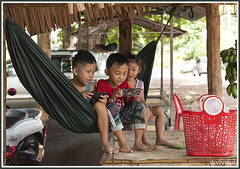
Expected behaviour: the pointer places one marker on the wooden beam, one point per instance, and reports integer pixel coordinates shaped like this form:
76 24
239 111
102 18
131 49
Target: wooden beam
38 5
159 4
213 50
4 91
125 36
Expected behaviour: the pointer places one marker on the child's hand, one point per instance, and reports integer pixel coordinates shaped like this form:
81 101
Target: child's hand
117 93
103 99
150 115
87 94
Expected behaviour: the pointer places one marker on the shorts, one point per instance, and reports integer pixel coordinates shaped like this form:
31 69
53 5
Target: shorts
133 114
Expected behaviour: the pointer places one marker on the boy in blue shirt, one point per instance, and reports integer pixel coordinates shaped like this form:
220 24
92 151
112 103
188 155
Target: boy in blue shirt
84 65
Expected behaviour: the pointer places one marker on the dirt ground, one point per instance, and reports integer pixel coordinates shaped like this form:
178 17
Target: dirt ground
189 88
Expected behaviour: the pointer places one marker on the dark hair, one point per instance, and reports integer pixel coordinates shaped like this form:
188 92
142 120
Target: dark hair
136 59
83 56
116 58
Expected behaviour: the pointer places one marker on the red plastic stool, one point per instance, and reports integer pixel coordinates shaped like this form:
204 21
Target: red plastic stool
179 110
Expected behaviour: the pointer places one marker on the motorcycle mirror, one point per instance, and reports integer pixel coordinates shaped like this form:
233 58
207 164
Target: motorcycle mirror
12 91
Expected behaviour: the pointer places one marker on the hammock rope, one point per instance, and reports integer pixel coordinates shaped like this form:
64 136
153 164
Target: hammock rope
51 88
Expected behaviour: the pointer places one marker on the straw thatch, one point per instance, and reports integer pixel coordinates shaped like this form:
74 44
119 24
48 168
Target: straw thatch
40 18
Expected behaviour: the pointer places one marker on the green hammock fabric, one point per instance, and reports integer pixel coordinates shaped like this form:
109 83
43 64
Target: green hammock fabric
51 88
147 54
47 84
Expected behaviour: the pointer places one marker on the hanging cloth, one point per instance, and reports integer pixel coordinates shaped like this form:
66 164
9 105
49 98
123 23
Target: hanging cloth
47 84
147 55
50 87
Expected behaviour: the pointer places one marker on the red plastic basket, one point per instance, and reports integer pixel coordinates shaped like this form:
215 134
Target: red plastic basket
209 135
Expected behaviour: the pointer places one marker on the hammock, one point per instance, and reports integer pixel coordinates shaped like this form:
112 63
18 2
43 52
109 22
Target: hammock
47 84
51 88
147 55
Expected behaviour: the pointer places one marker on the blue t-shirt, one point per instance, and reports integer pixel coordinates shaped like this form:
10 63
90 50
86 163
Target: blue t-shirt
88 88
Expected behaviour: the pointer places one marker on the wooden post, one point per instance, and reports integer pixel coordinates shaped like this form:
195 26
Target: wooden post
125 36
171 74
4 91
161 91
87 24
213 49
79 46
44 42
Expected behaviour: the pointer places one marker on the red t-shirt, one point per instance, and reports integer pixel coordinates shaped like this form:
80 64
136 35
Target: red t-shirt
103 86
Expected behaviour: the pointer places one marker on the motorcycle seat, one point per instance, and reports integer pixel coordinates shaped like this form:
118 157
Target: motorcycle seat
15 115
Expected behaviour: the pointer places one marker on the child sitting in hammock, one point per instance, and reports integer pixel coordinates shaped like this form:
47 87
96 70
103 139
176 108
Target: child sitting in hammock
84 65
124 110
135 68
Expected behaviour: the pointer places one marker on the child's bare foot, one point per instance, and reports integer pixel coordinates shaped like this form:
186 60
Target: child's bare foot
163 142
109 149
142 147
150 145
125 148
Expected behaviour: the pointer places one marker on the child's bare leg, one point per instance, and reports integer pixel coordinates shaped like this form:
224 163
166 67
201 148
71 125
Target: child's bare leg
138 144
159 124
117 127
145 139
102 120
124 147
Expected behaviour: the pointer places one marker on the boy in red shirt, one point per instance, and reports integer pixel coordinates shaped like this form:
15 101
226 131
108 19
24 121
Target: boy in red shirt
122 110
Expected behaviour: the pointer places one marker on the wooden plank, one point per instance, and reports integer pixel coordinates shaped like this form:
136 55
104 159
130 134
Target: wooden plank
125 36
4 91
164 156
213 50
20 5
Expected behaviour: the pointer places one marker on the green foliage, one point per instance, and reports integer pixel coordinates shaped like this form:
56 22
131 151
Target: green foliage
191 45
113 36
59 39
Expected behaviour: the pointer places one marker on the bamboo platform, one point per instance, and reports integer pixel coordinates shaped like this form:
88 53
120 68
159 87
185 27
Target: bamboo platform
164 156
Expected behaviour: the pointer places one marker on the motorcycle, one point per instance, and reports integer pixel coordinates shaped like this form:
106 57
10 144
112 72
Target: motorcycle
24 132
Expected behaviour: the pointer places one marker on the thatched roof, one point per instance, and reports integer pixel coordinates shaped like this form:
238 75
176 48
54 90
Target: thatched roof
40 18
